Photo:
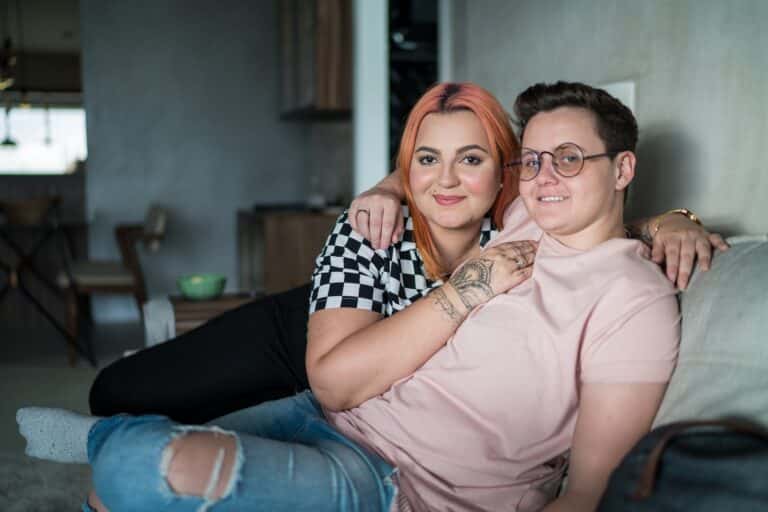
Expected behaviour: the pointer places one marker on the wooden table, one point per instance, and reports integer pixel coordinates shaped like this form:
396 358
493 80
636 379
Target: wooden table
189 314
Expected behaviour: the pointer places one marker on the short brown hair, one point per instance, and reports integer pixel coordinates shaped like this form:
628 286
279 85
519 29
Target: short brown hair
616 125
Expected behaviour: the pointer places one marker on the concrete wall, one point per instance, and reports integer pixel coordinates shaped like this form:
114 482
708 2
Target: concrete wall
701 74
182 101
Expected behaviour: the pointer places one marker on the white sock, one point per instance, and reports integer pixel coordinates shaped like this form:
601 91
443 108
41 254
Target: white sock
55 434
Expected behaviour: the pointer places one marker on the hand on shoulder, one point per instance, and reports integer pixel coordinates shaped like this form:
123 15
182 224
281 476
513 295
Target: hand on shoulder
495 271
681 243
376 214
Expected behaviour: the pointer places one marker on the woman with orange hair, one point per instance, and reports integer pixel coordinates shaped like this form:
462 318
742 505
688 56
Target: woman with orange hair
313 451
452 151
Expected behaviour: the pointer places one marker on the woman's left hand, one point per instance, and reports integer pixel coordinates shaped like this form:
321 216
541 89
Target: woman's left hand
679 242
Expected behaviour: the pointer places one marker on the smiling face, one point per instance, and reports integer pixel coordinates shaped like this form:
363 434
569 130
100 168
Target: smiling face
453 178
586 209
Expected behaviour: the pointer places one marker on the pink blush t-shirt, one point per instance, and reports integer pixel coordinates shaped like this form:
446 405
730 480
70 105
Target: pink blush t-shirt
486 423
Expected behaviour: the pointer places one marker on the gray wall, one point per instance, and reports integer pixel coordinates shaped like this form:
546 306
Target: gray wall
701 74
182 104
330 171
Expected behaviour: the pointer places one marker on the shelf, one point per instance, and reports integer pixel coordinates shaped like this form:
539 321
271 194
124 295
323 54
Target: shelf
316 60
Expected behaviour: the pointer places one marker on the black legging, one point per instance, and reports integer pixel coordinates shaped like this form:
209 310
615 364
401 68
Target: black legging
241 358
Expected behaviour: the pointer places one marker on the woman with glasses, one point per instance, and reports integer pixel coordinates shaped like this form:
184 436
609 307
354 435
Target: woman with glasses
419 410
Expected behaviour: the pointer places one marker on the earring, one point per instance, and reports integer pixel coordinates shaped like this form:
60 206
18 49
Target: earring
501 185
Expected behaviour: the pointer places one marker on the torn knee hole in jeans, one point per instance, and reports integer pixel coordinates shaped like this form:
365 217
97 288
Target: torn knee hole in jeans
202 461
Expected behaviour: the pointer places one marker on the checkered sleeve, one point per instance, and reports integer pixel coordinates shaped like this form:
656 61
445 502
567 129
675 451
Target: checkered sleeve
347 272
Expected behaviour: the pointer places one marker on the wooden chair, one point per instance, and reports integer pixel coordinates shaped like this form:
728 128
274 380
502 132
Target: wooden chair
84 278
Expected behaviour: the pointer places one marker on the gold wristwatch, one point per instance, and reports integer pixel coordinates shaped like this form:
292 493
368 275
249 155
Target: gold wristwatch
682 211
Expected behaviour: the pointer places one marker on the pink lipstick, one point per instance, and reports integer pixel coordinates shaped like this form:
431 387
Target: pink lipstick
447 200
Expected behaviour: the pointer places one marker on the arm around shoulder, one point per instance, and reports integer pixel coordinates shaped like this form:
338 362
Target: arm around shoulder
354 355
353 352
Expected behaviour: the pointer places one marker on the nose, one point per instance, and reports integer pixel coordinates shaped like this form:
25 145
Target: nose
547 172
448 176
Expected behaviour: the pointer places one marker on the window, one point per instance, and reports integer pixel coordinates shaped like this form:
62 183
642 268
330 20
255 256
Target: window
48 141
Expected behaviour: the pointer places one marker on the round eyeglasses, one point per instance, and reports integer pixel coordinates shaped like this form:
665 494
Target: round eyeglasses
567 161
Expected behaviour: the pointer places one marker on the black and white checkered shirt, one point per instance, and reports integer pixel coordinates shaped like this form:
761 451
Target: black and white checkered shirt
349 273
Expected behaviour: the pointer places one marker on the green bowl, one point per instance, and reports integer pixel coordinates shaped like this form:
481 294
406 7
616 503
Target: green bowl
201 286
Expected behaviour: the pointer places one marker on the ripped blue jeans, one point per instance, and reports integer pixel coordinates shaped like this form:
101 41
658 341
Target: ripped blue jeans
288 459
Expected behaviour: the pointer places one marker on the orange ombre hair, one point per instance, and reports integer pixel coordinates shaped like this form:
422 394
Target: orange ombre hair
445 98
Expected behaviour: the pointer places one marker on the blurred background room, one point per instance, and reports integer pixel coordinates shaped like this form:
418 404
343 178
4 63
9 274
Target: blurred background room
225 137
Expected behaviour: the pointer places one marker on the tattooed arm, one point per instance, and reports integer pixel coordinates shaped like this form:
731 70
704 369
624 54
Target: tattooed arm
354 355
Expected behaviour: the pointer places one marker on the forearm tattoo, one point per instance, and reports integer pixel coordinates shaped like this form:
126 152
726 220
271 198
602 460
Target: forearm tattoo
473 282
442 301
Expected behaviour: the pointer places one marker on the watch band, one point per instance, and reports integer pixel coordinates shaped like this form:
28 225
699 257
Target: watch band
682 211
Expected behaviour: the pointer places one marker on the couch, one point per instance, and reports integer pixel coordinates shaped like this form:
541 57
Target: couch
722 369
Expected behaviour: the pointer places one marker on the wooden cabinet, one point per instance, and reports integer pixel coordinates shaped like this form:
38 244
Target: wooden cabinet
316 58
191 314
277 249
